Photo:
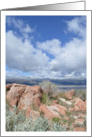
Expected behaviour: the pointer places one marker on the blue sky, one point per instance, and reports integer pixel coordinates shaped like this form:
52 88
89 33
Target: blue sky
46 46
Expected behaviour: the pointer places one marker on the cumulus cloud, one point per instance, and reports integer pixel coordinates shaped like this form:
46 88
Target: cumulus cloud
69 59
22 55
77 26
48 58
51 46
18 24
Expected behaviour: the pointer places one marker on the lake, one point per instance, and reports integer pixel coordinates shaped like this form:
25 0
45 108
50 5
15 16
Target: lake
69 87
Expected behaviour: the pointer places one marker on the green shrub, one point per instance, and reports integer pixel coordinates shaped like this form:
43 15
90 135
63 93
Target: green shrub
68 113
81 94
41 124
34 107
12 119
44 98
58 127
41 113
19 122
56 119
49 88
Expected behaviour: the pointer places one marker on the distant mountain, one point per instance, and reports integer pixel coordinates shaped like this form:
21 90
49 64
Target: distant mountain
36 81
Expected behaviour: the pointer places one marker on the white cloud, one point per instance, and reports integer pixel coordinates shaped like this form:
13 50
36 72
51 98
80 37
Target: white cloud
51 46
22 55
49 58
77 26
68 58
24 28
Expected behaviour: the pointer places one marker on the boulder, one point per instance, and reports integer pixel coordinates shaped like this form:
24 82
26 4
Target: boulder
14 94
34 89
69 94
80 105
62 109
48 111
65 101
8 86
79 121
54 101
31 96
82 116
24 96
32 113
54 108
66 118
71 109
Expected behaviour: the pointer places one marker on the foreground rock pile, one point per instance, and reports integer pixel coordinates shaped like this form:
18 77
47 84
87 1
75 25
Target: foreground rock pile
69 109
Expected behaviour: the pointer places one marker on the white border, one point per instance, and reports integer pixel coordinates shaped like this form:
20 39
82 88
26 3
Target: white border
88 15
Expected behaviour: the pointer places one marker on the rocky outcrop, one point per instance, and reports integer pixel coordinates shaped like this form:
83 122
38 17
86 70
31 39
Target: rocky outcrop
66 102
28 99
31 96
24 96
8 86
48 112
79 121
62 109
80 105
69 108
14 94
69 95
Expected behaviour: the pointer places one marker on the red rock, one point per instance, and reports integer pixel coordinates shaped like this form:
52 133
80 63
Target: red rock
79 129
54 101
70 94
82 116
48 112
66 118
54 108
79 121
76 108
35 89
14 94
62 109
71 109
79 105
8 86
23 96
28 98
32 113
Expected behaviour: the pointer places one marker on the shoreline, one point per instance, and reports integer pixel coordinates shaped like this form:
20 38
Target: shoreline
71 85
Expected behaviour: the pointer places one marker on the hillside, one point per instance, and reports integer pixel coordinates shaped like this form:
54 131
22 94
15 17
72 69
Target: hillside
41 108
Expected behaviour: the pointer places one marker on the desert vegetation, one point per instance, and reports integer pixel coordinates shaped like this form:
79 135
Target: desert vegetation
44 108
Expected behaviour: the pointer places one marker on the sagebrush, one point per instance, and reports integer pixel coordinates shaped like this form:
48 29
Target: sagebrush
19 122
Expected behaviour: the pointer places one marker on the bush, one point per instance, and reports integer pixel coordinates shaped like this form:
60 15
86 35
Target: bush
19 122
45 98
81 94
12 119
58 127
49 88
56 119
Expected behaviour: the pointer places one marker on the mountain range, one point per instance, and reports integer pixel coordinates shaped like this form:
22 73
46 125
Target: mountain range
36 81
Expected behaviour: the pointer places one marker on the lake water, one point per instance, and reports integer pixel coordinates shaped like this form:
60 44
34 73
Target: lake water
67 88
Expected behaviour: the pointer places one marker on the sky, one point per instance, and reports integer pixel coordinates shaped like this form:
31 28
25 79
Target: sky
46 46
